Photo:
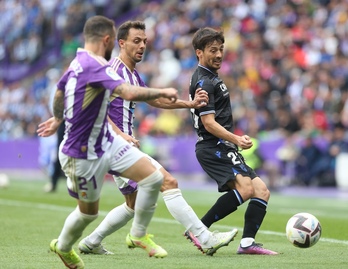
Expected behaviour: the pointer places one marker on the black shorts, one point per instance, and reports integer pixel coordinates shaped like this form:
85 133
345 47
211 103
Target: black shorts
222 163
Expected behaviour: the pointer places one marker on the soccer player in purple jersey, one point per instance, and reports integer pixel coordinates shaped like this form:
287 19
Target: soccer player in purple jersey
91 148
132 42
217 147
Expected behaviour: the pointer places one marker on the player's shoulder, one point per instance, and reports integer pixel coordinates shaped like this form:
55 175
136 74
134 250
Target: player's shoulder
92 59
116 63
207 80
208 77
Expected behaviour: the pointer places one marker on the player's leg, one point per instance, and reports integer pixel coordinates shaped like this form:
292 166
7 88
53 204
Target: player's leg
196 231
180 209
220 168
255 212
253 219
114 220
149 183
131 163
234 176
73 227
177 205
84 181
206 241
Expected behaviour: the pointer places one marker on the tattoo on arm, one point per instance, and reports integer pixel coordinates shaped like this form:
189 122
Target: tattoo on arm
120 89
58 105
137 93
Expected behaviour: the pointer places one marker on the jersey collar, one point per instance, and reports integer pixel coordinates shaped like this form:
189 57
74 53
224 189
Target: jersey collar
207 69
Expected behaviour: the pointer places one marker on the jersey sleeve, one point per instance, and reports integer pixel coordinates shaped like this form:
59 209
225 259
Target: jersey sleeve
105 77
207 86
62 81
112 79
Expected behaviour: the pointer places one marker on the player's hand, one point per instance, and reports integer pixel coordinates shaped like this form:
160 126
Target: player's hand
170 93
244 142
130 139
48 127
201 98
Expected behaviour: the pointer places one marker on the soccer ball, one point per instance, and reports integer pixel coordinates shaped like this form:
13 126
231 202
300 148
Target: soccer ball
303 230
4 181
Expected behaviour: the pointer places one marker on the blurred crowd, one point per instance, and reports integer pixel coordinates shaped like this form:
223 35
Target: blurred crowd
29 27
31 30
286 64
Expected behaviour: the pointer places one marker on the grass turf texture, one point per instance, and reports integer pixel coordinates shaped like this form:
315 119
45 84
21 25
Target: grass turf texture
30 219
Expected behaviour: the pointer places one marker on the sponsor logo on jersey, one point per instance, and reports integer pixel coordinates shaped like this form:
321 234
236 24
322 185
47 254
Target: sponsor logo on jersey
111 73
122 152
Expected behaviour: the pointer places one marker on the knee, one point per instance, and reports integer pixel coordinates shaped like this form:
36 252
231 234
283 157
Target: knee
246 192
130 199
262 193
153 181
91 209
169 182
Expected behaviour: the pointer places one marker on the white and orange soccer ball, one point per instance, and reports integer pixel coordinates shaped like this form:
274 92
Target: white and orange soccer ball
303 230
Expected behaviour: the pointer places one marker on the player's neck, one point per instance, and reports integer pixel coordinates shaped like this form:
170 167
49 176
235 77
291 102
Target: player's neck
127 61
95 48
214 71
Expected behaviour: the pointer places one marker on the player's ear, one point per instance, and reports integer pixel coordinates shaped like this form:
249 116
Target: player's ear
120 43
199 52
106 40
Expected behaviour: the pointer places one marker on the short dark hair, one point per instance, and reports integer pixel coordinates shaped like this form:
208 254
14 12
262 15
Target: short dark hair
97 27
206 36
123 30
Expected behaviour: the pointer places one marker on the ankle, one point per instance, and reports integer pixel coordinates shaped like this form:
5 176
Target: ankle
246 242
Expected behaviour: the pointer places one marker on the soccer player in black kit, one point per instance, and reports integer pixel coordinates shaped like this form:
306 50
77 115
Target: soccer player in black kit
217 147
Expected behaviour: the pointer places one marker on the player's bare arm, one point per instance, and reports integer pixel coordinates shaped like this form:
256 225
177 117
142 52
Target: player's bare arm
50 126
200 100
125 136
137 93
243 142
58 105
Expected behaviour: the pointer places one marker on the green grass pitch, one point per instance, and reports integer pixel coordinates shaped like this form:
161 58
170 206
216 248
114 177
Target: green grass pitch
30 219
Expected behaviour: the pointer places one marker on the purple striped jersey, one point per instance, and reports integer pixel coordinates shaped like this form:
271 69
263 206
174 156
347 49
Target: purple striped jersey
121 111
87 85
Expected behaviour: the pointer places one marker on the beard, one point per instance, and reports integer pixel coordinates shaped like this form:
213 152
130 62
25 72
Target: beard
108 55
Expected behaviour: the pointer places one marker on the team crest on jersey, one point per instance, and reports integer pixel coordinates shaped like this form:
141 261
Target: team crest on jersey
111 73
84 195
223 87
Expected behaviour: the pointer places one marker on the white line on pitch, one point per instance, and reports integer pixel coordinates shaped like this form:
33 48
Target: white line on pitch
160 220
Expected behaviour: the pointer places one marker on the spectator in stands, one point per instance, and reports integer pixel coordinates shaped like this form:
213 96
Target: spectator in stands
309 162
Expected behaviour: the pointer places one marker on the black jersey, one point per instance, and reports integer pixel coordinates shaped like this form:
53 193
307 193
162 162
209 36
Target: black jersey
219 104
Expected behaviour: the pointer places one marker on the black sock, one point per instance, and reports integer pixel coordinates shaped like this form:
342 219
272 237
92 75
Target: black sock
224 206
253 217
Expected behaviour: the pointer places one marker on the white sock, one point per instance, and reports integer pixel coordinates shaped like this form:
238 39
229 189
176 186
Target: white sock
183 213
114 220
245 242
145 204
73 227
